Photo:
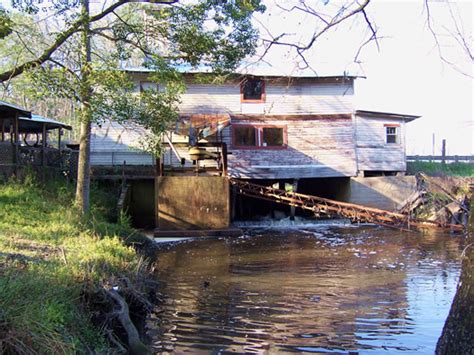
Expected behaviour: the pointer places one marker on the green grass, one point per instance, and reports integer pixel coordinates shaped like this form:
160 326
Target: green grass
438 169
49 259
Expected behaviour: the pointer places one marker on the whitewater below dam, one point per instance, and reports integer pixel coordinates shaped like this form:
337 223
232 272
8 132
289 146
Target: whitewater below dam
320 289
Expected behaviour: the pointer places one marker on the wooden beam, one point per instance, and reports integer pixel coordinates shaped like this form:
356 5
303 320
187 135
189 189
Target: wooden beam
16 139
224 158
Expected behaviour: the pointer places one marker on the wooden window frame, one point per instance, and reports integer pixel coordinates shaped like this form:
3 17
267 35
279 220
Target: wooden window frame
262 99
398 133
259 136
143 82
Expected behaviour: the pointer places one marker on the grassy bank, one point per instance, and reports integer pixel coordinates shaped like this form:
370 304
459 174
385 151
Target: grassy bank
439 169
51 261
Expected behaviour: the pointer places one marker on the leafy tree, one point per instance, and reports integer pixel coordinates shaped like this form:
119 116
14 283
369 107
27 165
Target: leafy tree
80 60
5 24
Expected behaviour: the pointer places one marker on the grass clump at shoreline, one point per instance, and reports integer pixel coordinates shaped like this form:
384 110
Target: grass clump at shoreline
50 260
439 169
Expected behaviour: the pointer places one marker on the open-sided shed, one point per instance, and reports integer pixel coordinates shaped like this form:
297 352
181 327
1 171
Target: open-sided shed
24 137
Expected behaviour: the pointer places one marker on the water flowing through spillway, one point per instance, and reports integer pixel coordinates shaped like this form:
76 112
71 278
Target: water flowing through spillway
322 289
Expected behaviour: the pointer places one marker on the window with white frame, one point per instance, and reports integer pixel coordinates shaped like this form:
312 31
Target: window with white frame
392 134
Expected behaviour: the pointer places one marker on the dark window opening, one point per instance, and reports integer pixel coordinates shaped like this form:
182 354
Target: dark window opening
253 90
245 136
272 137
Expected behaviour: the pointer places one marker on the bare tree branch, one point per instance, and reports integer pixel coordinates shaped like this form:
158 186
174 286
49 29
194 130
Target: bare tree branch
336 20
429 22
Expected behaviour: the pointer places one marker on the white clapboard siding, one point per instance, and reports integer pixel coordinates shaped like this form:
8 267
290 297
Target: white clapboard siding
115 144
299 98
373 153
210 99
309 98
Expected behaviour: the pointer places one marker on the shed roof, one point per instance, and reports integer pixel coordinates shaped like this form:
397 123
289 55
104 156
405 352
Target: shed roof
376 114
8 110
35 124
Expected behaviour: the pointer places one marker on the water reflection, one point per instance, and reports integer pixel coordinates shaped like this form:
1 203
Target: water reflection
362 289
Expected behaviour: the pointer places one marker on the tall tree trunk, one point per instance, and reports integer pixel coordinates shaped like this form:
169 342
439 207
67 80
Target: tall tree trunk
83 170
457 336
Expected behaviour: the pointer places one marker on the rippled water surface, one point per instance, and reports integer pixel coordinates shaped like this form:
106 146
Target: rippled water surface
326 290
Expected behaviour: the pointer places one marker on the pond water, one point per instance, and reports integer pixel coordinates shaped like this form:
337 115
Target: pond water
323 290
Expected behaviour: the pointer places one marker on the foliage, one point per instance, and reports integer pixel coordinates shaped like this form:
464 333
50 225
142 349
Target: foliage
5 23
212 33
439 169
221 46
49 256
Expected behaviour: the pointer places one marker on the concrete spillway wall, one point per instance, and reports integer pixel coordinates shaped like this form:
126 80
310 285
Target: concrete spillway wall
192 202
384 192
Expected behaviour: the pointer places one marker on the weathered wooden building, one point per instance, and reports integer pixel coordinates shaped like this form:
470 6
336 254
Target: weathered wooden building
278 128
303 131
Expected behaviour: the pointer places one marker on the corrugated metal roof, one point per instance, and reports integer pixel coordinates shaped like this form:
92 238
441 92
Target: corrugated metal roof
402 116
253 72
6 107
50 123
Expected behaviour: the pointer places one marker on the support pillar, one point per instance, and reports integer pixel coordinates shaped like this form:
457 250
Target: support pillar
281 185
159 167
43 146
224 159
293 208
60 133
16 141
233 204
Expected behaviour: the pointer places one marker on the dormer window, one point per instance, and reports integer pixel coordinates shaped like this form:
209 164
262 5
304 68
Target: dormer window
252 90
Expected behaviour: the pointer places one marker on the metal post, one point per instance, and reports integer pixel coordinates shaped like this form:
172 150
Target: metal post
443 152
433 146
